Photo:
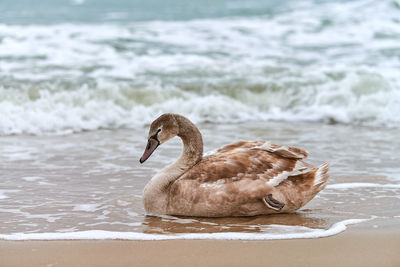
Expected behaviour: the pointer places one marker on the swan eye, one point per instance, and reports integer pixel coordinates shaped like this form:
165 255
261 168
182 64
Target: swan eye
159 130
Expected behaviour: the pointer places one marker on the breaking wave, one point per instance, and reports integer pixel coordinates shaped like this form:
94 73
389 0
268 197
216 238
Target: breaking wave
329 62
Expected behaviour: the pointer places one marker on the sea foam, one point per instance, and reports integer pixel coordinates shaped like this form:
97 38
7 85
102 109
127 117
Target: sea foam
296 232
330 62
344 186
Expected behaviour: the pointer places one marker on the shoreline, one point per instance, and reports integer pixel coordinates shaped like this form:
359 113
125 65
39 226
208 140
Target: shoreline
135 236
354 247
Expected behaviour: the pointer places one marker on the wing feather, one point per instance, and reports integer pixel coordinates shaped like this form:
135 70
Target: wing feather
248 160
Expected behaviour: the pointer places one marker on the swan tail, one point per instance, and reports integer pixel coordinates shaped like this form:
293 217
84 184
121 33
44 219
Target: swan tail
303 187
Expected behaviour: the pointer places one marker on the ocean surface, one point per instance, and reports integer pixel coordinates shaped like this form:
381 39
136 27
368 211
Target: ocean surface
80 81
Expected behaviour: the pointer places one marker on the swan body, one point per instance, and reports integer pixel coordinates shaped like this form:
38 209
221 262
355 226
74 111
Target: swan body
246 178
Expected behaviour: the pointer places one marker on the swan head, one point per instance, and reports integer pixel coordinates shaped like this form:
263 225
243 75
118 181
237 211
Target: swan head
161 130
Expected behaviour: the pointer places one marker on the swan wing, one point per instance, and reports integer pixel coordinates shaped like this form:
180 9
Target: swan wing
248 160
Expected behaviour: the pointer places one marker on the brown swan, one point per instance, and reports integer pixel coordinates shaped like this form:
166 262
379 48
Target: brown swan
246 178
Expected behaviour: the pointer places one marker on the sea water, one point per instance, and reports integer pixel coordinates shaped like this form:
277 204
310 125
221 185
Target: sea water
81 80
89 185
69 66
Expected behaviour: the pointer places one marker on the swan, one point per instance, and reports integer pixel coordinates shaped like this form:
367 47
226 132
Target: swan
246 178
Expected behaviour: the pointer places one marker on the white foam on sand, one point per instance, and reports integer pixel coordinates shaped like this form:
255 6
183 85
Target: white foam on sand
4 191
86 207
344 186
32 179
290 232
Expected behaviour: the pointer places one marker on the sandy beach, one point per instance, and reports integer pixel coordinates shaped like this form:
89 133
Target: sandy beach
351 248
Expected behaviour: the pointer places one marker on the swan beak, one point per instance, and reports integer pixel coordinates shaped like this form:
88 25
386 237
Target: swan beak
152 144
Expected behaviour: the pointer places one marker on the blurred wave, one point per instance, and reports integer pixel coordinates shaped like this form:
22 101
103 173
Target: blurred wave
314 61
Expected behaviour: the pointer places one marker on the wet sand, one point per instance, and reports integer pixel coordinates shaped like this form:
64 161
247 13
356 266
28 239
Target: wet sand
352 248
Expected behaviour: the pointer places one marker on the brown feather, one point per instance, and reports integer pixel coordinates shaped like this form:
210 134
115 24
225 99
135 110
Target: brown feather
234 181
241 179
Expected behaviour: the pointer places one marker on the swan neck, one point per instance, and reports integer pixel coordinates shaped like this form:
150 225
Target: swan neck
155 195
192 143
